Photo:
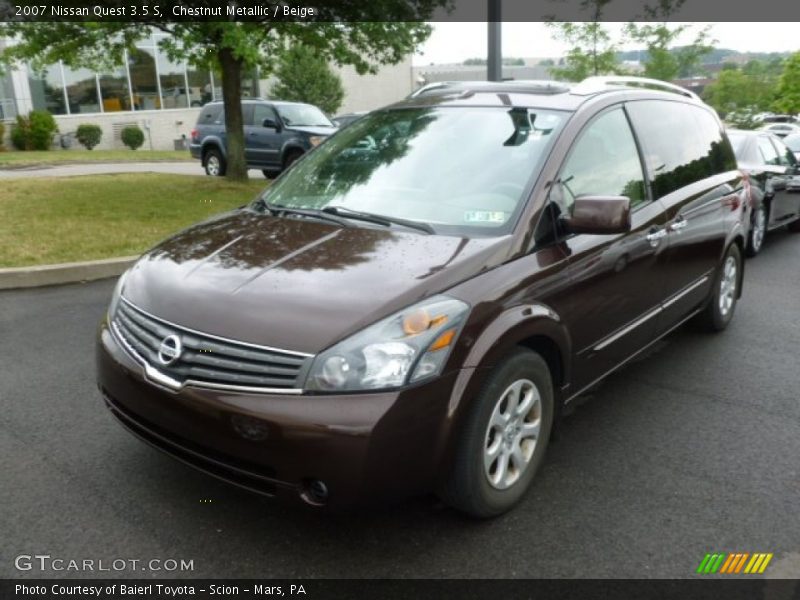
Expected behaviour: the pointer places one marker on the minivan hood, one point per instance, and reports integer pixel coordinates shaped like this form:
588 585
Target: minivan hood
294 283
314 130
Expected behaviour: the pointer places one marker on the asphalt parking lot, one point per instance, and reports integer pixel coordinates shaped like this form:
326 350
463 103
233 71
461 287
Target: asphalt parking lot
694 448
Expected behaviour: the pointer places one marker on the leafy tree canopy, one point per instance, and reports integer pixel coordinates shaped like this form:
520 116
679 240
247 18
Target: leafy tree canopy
788 96
305 77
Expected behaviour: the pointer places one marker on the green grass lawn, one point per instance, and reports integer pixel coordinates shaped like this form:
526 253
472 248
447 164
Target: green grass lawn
55 220
16 159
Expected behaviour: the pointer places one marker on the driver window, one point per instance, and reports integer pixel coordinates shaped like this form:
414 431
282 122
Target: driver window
603 162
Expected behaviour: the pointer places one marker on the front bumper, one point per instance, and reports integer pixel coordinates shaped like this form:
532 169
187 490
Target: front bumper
364 447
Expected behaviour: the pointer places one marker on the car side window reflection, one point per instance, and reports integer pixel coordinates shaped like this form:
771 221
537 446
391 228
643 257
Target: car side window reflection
603 162
768 152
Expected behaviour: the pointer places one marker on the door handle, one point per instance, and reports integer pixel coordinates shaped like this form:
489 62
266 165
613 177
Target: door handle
655 236
678 224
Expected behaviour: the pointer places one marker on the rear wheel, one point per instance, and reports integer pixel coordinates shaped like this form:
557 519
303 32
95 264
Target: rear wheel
214 163
758 231
720 309
504 437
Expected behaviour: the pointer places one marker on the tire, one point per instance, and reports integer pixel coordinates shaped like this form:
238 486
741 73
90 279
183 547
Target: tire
214 163
268 174
794 226
719 311
476 484
291 158
758 231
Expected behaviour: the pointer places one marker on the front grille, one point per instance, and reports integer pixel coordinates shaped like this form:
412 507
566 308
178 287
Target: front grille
205 360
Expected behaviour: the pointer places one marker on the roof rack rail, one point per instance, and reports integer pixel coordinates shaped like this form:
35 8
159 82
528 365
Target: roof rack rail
591 85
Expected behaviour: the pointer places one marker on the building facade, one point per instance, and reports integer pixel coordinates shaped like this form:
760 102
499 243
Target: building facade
160 96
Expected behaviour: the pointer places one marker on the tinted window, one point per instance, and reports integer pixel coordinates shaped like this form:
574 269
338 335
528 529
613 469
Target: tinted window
682 144
209 113
604 162
767 151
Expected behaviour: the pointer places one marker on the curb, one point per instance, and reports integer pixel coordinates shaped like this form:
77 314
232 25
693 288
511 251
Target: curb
29 277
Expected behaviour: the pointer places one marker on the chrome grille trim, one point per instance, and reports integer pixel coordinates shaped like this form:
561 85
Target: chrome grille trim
228 365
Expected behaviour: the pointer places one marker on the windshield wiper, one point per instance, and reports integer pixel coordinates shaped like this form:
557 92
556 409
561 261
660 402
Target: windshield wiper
280 210
378 219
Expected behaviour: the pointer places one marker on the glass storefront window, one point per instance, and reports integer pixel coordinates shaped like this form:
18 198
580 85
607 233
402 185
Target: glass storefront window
199 85
142 66
47 90
114 91
81 90
173 84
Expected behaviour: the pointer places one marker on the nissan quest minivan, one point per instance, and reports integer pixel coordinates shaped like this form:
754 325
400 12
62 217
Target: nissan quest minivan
410 307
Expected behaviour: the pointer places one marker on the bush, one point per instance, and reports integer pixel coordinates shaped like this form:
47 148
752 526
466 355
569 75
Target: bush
2 136
34 132
132 137
89 135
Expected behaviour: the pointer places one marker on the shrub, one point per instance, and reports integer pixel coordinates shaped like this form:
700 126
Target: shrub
132 137
89 135
34 132
2 136
20 133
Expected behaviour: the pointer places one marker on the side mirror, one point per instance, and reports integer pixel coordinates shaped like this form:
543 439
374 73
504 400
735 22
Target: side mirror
272 124
599 215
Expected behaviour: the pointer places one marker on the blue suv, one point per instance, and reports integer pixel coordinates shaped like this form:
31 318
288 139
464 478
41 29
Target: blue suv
276 134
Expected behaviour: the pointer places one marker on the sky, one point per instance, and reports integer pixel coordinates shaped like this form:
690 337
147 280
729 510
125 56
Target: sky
455 42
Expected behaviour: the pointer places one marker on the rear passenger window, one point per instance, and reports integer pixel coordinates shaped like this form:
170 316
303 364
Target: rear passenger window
604 162
768 153
210 114
682 144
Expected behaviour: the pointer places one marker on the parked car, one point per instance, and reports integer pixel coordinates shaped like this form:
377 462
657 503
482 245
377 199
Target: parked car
793 143
781 129
412 305
346 119
276 135
775 181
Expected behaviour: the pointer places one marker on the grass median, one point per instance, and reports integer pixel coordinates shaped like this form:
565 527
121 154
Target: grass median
20 160
56 220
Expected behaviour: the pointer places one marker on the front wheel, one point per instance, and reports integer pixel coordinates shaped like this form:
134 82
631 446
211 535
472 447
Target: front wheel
758 231
720 309
504 437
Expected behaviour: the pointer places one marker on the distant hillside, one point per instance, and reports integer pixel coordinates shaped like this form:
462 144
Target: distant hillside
716 56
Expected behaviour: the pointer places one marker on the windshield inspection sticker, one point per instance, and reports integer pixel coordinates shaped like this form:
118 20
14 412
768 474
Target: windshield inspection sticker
485 216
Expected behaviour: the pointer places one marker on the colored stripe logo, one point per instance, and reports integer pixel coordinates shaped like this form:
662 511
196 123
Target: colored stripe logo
734 563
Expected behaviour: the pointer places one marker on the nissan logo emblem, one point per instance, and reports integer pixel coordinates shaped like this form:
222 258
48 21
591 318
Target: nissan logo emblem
170 349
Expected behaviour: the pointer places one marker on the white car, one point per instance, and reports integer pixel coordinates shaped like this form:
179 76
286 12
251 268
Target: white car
782 129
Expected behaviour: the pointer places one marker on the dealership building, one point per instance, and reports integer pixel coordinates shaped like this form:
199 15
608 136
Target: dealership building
159 95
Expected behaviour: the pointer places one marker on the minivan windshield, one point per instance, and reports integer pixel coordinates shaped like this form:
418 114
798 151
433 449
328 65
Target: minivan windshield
302 115
462 171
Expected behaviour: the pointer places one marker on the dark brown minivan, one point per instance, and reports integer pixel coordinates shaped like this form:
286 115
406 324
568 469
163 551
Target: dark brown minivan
410 306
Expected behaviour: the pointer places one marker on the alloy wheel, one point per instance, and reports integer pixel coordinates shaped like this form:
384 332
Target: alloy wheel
727 286
512 434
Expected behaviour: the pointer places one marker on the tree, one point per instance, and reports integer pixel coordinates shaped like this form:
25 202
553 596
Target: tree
305 77
744 91
592 51
364 35
788 96
663 61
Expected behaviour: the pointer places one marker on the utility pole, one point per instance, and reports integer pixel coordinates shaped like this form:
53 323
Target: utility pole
494 59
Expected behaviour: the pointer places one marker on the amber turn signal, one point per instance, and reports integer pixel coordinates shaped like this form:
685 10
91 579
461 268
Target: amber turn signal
443 341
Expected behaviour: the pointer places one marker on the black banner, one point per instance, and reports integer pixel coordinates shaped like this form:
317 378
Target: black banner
406 589
264 11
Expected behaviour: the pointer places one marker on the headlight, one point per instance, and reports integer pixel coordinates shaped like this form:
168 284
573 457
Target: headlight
112 307
409 346
316 140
